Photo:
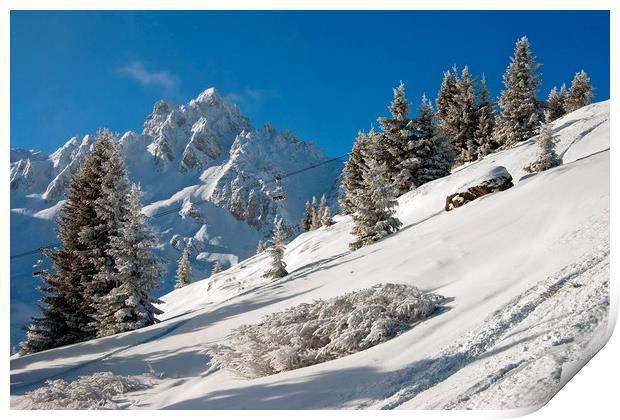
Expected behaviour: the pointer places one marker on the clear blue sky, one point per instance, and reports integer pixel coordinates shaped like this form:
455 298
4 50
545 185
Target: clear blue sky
324 75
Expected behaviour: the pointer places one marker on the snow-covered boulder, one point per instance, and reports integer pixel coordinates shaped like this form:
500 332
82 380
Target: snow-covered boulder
495 179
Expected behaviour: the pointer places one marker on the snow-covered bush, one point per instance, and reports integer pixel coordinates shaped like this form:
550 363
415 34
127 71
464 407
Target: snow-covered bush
308 334
92 392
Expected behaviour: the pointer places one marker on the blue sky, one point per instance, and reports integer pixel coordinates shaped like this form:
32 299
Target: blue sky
324 75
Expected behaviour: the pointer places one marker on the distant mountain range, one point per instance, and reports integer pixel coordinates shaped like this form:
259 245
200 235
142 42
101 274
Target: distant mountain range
207 175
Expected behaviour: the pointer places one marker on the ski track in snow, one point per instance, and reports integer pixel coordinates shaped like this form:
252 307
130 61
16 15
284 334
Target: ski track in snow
505 349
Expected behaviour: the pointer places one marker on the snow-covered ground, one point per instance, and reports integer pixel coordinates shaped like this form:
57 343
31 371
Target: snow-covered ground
526 270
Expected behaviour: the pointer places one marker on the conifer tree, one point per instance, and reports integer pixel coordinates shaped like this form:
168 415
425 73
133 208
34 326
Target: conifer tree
326 218
463 121
547 157
184 270
217 268
433 148
307 218
261 247
580 93
276 252
446 97
322 208
130 304
352 174
316 216
374 217
457 111
521 111
555 103
486 116
395 140
91 216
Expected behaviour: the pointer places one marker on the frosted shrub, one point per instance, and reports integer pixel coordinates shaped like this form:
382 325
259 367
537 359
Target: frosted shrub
96 391
308 334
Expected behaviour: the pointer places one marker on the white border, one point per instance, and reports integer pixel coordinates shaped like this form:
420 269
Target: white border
592 393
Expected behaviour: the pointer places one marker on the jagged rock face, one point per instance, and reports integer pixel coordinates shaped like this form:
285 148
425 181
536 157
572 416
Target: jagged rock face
207 176
193 135
496 179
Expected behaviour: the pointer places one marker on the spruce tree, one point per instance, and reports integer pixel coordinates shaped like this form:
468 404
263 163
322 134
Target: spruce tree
322 208
276 252
547 157
580 93
316 217
326 217
94 211
395 140
374 217
463 120
352 174
485 126
446 97
521 111
184 270
433 148
555 104
307 218
130 304
217 268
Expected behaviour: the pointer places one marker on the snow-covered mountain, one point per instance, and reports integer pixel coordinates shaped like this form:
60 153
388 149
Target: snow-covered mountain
207 174
525 270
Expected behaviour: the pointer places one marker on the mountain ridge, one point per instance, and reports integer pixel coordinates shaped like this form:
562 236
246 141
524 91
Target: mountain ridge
202 164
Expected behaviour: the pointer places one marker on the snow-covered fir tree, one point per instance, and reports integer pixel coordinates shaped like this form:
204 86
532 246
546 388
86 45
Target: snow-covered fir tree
184 270
130 304
394 142
307 218
93 213
446 97
555 103
464 119
277 268
432 148
322 208
374 217
326 217
456 104
316 216
486 117
521 111
352 174
580 92
113 211
217 268
547 158
261 247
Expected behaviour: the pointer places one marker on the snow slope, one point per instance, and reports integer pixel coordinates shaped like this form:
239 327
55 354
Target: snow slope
202 165
527 270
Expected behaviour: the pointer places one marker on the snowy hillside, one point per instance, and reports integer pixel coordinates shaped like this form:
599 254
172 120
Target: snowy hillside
525 271
203 168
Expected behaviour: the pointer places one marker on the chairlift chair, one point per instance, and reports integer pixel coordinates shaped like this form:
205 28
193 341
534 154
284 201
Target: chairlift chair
278 193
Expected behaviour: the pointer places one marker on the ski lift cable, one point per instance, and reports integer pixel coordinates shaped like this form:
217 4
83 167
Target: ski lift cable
176 209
